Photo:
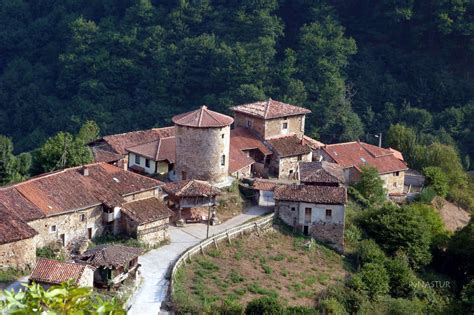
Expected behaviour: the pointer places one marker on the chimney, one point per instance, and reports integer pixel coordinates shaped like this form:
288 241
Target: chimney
85 171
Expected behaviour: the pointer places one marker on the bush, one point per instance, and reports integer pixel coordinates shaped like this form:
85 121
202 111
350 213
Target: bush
264 306
437 180
467 296
230 307
332 306
426 196
401 277
357 196
51 251
301 310
373 279
369 252
370 185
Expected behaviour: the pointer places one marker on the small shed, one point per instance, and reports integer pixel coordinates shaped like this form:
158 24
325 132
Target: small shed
265 192
114 263
49 272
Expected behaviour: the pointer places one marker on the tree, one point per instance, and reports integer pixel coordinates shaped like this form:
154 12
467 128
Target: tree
12 168
437 180
402 277
460 254
369 252
400 229
370 185
467 296
66 298
447 159
403 139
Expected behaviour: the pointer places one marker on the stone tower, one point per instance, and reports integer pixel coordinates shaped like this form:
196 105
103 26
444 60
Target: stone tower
202 145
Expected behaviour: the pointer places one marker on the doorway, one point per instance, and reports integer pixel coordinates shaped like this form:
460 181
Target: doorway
305 230
89 233
62 237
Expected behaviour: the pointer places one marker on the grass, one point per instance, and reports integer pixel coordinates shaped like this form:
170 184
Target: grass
277 264
11 274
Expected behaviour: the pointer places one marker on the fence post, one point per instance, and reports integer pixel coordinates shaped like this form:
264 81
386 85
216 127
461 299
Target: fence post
256 227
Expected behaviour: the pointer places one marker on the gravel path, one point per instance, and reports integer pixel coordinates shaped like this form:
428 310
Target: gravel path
155 263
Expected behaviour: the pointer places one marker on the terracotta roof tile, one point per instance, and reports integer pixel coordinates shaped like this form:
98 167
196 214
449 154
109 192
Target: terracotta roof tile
190 188
12 228
314 144
357 154
321 172
313 194
203 118
245 139
270 109
264 184
56 272
289 146
238 160
103 155
120 142
147 210
163 149
110 256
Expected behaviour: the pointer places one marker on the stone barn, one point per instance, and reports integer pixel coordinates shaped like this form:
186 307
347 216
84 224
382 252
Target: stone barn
202 145
318 211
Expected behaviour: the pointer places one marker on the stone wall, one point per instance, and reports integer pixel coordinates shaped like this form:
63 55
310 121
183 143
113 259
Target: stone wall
21 254
244 172
288 166
274 127
326 229
153 233
144 195
199 152
394 182
251 122
73 225
87 279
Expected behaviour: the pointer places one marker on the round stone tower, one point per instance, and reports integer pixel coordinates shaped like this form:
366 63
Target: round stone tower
202 145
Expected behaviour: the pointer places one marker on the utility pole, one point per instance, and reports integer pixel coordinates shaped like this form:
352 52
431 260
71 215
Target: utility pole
380 139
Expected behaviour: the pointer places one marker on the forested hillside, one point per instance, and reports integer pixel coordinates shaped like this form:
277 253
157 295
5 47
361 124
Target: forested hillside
360 65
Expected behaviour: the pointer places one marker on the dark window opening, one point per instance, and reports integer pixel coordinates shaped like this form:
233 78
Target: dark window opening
147 163
328 212
137 159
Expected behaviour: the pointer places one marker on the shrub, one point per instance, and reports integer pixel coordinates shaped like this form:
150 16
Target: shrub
370 185
437 180
300 310
467 296
332 306
372 279
230 307
426 196
264 306
369 252
401 277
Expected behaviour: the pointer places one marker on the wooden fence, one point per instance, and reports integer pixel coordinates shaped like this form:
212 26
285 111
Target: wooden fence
256 226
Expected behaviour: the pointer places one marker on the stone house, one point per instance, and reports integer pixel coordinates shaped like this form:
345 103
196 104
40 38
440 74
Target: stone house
80 203
112 149
113 263
318 211
271 118
48 272
353 155
155 157
321 173
288 151
264 191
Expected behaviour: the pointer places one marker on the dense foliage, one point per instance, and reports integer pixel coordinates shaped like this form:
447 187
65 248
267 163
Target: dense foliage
131 64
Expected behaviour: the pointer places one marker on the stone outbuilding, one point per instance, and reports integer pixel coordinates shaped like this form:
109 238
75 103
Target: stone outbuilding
48 272
113 263
353 155
288 151
318 211
147 220
264 191
202 145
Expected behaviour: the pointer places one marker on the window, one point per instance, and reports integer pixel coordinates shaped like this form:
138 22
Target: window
328 212
223 159
395 184
147 163
396 174
307 215
290 172
53 228
137 159
293 209
285 125
249 123
82 217
300 157
223 136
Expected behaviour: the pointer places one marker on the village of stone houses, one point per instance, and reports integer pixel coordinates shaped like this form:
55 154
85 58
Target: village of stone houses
206 214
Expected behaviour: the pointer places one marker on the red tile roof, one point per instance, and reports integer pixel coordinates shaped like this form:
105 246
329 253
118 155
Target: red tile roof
244 139
55 272
120 142
70 190
264 184
357 154
110 256
270 109
312 194
147 210
203 118
190 188
289 146
103 155
314 144
12 228
238 160
321 172
163 149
